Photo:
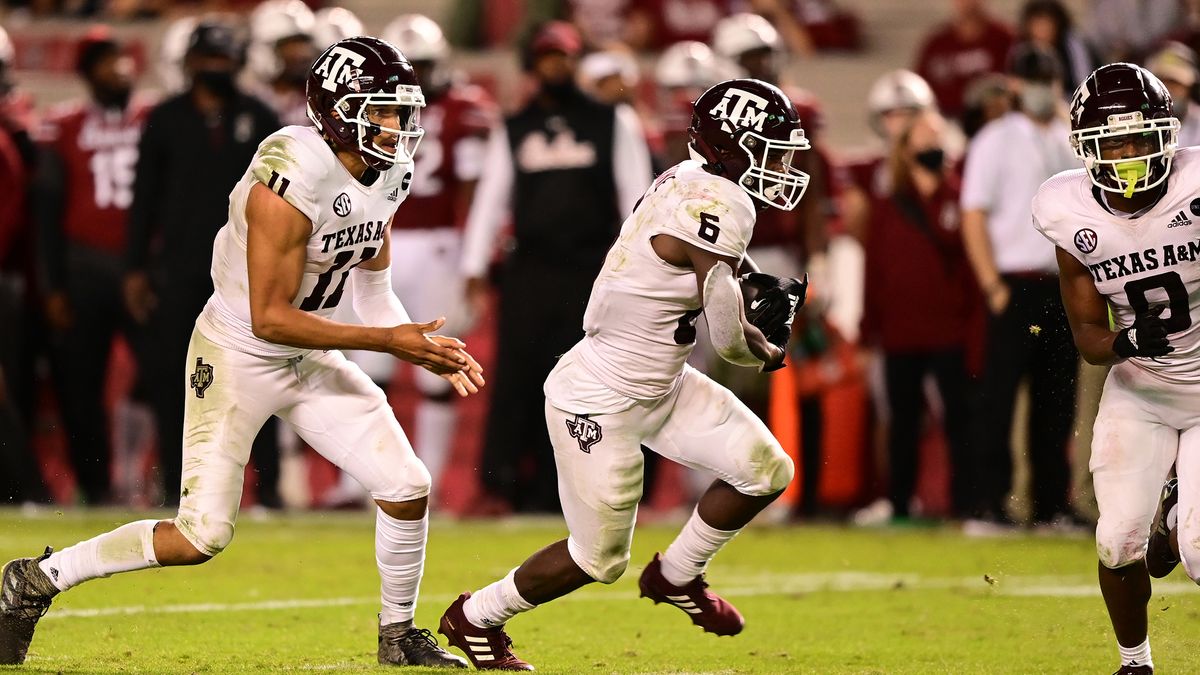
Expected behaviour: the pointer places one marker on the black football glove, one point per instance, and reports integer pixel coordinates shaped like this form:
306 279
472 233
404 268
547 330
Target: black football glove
774 308
1146 337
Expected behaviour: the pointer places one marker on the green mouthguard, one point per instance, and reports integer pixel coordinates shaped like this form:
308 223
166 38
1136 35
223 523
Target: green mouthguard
1131 173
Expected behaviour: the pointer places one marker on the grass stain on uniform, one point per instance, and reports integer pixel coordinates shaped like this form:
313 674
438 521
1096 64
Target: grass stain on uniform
119 544
274 155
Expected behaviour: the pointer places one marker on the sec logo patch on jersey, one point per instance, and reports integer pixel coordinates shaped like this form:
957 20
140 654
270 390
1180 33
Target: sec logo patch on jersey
341 205
1086 240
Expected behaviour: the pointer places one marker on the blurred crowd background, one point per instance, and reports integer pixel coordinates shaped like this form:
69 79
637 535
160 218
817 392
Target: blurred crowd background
932 375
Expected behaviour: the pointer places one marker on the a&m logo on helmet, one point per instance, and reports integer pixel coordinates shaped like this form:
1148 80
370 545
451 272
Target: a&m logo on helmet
338 67
741 108
1081 95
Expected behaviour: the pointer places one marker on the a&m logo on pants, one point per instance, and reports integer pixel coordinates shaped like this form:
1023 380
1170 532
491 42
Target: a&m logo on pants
202 378
586 431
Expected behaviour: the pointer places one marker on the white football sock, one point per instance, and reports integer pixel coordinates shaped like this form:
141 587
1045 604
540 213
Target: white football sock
687 557
400 555
495 604
1139 655
125 549
435 431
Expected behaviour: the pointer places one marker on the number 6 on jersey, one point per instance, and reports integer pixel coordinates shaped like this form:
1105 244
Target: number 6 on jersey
708 228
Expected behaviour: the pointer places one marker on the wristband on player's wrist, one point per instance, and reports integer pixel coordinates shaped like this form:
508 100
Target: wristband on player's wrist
1125 344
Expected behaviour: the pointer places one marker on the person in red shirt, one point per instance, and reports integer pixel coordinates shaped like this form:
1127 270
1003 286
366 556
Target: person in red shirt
971 44
914 250
19 479
655 24
81 199
894 100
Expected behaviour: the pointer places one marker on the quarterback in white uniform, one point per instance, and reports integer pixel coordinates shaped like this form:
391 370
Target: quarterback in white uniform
313 208
1126 231
626 382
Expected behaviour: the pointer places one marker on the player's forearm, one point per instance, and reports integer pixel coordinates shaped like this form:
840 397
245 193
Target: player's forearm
1095 344
733 338
759 345
287 325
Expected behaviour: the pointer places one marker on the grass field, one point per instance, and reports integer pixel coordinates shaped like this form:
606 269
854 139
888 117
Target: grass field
299 593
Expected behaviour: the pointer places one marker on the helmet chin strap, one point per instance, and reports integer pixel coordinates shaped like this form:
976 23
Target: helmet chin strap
717 167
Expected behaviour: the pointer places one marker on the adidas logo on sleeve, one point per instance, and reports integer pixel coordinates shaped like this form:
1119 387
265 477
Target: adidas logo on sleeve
1180 220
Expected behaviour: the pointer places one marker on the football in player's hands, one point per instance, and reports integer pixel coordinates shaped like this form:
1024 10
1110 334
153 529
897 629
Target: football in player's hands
1147 337
771 304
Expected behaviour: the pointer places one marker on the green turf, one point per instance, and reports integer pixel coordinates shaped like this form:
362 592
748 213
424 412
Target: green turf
816 599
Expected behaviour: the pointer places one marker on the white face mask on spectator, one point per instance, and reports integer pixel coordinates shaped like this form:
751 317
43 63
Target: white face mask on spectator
1039 100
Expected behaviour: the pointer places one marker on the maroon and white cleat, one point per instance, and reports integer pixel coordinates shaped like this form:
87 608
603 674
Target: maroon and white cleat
706 609
487 648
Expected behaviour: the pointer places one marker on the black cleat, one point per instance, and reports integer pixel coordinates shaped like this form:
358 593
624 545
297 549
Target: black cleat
1160 559
403 645
25 596
1135 669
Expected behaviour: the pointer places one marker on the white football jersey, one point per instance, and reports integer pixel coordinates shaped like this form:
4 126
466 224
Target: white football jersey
1137 262
639 327
349 221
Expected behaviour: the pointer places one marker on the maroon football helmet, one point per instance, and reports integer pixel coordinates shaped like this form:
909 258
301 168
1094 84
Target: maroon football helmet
348 85
1117 101
748 131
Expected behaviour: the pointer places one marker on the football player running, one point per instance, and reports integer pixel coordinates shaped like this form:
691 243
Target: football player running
1127 251
311 211
626 383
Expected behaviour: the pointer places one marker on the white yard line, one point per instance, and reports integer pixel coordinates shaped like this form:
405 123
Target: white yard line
746 586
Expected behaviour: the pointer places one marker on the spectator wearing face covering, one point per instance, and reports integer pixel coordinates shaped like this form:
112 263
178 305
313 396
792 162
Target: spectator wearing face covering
914 249
193 150
1175 65
1007 161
